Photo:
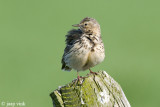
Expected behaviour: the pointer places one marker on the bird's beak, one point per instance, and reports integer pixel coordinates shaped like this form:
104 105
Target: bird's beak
76 25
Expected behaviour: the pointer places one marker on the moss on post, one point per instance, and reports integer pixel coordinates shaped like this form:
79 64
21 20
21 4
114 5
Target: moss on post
95 91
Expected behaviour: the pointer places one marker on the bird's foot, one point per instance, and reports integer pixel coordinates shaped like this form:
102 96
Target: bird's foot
94 73
79 80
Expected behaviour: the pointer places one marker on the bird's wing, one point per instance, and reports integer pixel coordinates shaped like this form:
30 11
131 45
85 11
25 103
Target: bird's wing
71 38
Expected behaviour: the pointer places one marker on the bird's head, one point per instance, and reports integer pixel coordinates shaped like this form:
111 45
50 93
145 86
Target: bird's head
89 26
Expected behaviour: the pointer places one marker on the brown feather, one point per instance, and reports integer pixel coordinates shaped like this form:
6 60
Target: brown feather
71 37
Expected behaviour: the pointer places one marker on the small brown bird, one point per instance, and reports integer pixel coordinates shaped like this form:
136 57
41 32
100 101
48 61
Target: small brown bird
84 47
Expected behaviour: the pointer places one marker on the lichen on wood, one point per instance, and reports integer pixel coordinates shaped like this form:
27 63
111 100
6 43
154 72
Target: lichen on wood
95 91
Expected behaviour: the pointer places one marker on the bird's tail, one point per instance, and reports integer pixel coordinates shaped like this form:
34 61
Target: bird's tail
66 68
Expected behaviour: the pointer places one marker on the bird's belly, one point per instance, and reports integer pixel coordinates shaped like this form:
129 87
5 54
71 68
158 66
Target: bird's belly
82 58
95 57
77 59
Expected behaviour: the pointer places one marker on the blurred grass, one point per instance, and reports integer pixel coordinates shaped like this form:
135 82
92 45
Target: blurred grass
32 43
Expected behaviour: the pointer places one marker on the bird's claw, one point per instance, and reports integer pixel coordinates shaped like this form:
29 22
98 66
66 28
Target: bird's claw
94 73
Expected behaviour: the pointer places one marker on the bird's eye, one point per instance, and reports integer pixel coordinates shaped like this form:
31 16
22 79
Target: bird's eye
85 24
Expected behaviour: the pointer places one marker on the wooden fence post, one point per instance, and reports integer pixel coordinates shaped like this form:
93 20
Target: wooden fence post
95 91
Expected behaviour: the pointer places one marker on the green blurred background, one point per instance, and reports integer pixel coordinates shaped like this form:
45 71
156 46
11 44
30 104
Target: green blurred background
32 35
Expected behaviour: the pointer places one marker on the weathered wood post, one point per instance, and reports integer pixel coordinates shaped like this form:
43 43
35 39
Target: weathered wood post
95 91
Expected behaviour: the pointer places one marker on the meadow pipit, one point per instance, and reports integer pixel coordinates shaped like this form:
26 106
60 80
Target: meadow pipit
84 47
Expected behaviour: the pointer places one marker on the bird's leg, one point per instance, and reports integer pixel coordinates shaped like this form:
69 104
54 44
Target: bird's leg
78 79
91 72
